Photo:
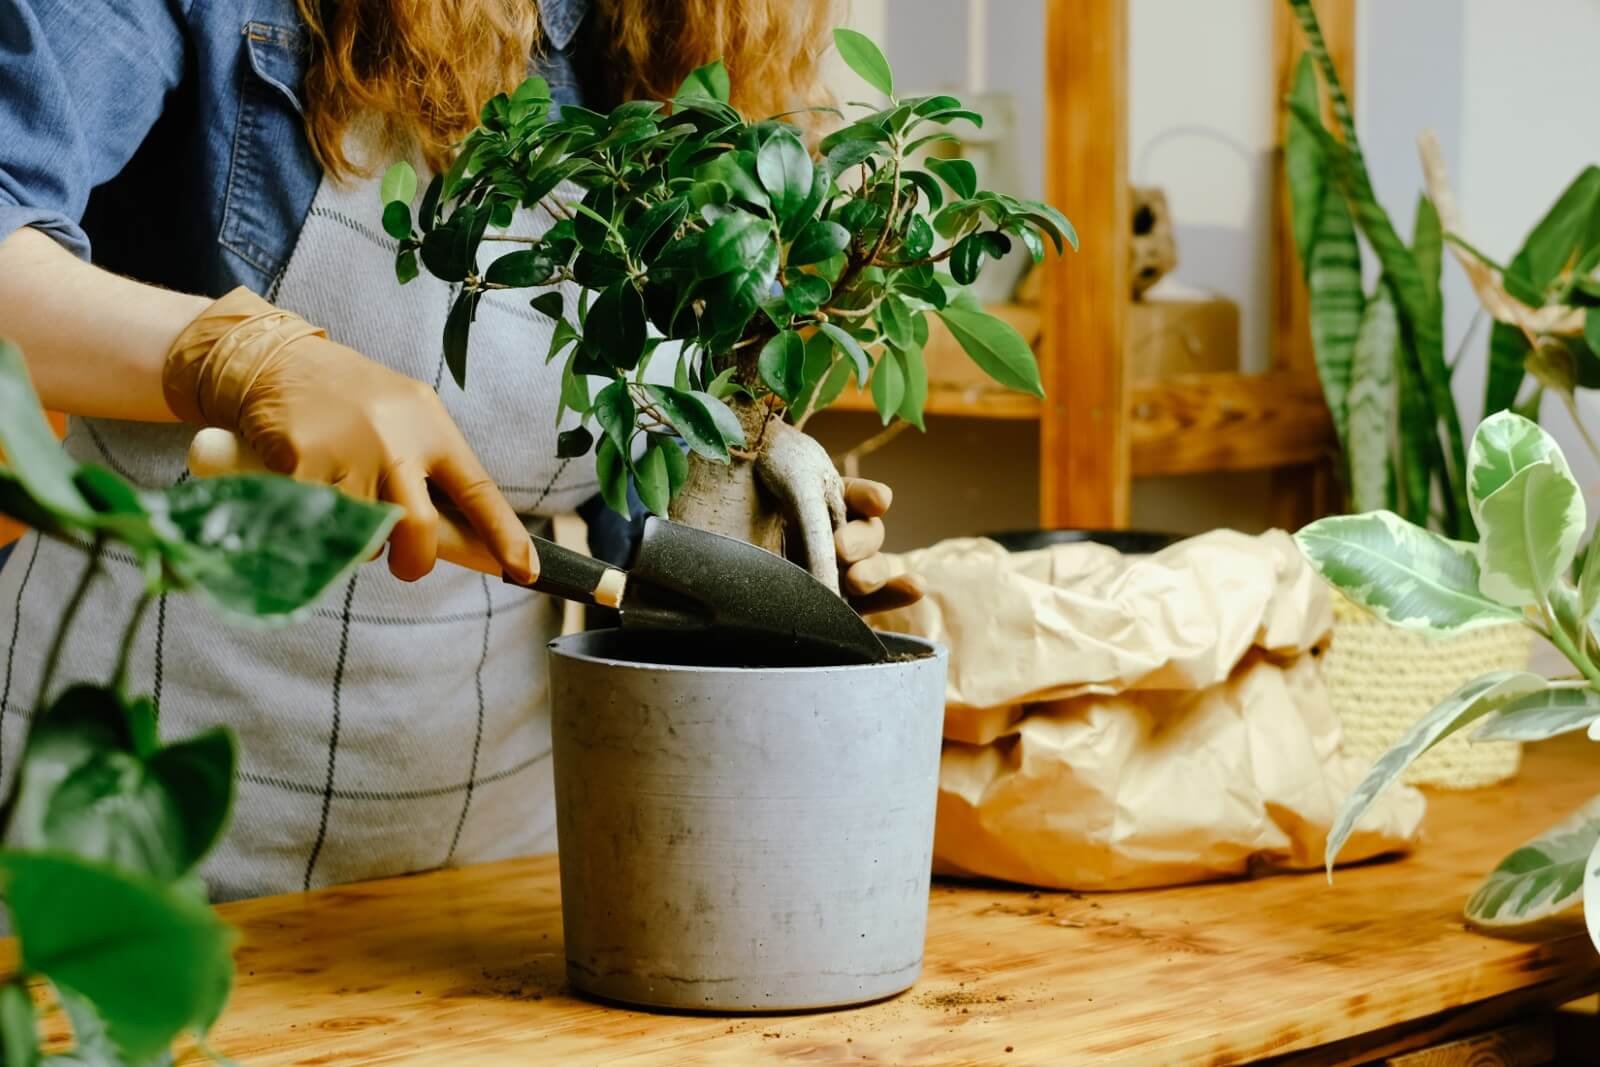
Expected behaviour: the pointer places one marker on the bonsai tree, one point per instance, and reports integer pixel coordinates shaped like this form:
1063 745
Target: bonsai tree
1530 517
105 825
1380 356
776 274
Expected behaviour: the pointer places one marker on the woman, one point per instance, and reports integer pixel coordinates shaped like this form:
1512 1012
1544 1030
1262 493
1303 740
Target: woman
216 161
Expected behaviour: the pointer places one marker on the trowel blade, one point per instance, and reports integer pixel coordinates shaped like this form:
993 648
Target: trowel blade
757 606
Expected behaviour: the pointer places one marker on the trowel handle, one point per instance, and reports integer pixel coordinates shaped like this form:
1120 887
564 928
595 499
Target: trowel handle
562 572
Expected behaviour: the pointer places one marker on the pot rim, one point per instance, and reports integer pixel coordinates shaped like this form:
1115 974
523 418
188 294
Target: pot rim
561 646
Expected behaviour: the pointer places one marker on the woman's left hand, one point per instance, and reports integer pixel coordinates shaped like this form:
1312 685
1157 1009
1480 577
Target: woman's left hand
866 577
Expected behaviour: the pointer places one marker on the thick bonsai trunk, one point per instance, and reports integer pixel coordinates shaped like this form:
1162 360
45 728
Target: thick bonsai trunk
787 499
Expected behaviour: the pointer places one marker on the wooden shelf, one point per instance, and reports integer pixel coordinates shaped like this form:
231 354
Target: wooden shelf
964 400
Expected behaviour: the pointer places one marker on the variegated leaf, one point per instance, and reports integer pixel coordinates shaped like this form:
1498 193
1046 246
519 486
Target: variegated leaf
1401 572
1370 404
1591 895
1543 877
1504 444
1466 705
1541 715
1529 530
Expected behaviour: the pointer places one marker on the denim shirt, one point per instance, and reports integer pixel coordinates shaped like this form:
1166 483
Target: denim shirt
164 140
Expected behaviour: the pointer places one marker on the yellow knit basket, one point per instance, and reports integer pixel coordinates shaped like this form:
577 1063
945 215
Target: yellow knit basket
1382 679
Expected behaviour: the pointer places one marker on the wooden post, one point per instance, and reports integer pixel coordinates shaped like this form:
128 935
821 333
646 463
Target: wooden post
1084 471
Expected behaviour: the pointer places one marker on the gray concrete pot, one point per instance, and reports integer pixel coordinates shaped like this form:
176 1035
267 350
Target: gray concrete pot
743 839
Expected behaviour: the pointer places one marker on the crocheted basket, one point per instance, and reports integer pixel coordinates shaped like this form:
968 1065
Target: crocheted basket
1382 679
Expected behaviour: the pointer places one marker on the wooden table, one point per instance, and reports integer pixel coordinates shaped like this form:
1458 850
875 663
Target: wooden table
465 966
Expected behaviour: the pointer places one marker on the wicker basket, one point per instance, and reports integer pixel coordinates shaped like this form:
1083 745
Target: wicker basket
1382 679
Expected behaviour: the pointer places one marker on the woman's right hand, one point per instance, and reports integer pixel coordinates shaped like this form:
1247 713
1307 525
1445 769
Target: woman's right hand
319 411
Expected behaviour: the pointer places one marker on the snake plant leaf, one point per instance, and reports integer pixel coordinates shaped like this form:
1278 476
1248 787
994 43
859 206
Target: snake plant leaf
1539 716
153 960
1305 170
1335 304
1542 878
1530 529
1427 245
1370 404
1409 576
1420 456
1504 444
264 548
1508 356
1466 705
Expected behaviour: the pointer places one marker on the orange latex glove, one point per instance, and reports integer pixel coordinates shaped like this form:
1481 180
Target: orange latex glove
321 412
865 577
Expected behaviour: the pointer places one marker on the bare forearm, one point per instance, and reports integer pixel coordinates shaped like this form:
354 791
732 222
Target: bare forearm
94 341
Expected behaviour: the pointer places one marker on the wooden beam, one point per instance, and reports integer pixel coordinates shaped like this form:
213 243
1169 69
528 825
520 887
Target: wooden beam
1192 423
1084 467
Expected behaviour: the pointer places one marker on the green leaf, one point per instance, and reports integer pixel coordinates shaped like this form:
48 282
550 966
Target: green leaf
522 268
109 810
615 327
819 240
864 57
1504 444
613 409
1589 579
1466 705
570 444
152 960
915 372
1335 305
785 171
399 184
548 304
19 1033
851 348
894 319
1591 328
782 365
1370 405
397 220
81 722
1303 163
30 447
958 174
1427 245
652 479
1543 877
405 266
1568 230
736 170
805 293
1508 353
457 335
1591 896
612 469
1406 575
732 242
1529 532
1542 715
268 548
888 386
709 82
691 417
996 347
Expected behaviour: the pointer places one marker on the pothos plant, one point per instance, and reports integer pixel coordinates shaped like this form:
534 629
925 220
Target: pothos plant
1380 356
776 274
1530 517
105 824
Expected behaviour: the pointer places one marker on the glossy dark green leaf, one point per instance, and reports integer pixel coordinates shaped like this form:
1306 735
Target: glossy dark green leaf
548 304
831 384
996 347
34 455
428 210
676 462
736 170
153 961
844 154
709 81
782 365
958 174
819 240
570 444
690 418
651 230
267 547
966 259
894 319
80 722
888 386
109 809
851 348
574 387
522 268
447 248
592 223
613 409
785 171
397 220
929 189
864 57
805 293
405 266
457 335
615 327
732 242
560 338
612 470
652 479
199 776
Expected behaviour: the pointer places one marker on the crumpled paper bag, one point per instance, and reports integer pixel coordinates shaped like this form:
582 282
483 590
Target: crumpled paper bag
1121 722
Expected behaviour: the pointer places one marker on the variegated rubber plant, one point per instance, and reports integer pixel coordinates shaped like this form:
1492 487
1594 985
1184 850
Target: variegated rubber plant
1380 356
1530 517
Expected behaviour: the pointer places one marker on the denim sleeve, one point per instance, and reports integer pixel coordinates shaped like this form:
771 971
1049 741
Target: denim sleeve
81 83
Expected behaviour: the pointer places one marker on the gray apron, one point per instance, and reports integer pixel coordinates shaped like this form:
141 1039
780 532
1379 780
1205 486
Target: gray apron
401 727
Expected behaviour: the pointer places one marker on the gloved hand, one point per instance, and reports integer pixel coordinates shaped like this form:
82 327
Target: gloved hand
321 412
865 577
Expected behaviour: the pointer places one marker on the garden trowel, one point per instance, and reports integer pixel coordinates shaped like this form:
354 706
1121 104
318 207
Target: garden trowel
745 605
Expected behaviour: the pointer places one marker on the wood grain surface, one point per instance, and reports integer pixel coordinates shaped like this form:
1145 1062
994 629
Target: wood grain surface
465 966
